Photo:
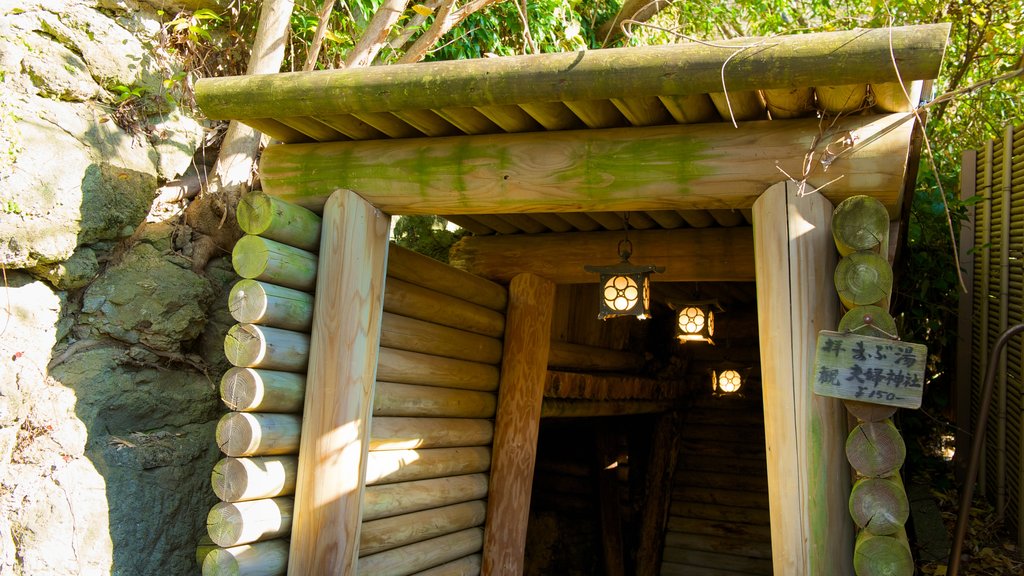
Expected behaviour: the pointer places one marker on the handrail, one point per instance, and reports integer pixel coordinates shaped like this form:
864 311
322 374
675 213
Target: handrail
967 494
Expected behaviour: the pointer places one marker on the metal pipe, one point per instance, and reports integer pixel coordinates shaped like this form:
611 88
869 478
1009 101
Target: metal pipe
967 493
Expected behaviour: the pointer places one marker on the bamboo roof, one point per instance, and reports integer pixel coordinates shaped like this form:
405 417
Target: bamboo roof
747 82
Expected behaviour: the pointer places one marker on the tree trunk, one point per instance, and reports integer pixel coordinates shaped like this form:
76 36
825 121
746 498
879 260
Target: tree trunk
212 215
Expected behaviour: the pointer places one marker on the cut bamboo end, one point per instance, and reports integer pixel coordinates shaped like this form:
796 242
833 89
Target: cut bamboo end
274 262
387 500
863 279
879 505
882 556
264 215
254 346
268 558
860 223
241 479
254 302
869 412
204 547
869 321
242 434
876 449
251 390
786 103
740 106
892 96
841 99
236 523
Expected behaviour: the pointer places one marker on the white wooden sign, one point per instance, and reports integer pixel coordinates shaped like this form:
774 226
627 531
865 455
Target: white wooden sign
869 369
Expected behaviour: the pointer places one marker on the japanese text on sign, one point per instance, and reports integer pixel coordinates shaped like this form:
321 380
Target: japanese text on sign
869 369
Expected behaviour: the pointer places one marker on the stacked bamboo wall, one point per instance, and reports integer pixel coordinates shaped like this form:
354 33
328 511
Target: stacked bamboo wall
994 240
429 450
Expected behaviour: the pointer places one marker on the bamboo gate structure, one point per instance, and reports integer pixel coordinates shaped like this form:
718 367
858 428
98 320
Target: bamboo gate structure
990 244
533 145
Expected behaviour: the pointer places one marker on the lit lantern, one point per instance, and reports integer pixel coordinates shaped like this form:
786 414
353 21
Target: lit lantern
726 381
625 287
695 324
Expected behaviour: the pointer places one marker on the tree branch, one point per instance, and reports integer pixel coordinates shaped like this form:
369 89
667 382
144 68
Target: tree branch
375 37
632 10
318 36
444 20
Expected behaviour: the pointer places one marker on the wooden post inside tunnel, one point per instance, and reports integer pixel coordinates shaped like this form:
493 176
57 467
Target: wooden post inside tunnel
339 388
531 301
808 477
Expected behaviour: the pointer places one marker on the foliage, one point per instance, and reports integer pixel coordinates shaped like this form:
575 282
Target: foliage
426 235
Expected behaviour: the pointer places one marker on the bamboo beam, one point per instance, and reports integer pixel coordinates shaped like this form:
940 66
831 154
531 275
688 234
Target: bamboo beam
387 533
404 333
399 433
688 254
386 500
420 556
339 389
274 262
250 390
807 475
674 69
653 168
404 367
268 558
389 466
254 346
414 301
391 399
263 215
256 434
236 523
424 271
527 342
254 302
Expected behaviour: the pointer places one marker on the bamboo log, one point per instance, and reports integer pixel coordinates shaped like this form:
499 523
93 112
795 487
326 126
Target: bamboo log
406 367
739 106
564 355
420 556
679 69
254 302
527 343
688 254
414 301
241 479
236 523
869 321
392 399
498 173
841 99
863 279
789 102
263 215
387 533
270 261
875 449
860 223
389 466
339 391
385 500
396 433
257 434
465 566
404 333
892 96
254 346
251 390
879 505
426 272
268 558
882 556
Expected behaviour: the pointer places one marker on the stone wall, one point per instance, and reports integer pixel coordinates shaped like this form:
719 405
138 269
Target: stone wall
110 345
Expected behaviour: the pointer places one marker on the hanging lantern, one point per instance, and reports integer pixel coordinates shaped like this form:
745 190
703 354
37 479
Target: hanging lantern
695 321
726 381
625 287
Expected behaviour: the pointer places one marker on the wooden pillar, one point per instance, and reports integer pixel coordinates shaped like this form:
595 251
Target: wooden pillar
808 477
965 317
339 388
531 301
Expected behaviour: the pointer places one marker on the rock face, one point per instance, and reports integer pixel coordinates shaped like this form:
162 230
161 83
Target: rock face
111 346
